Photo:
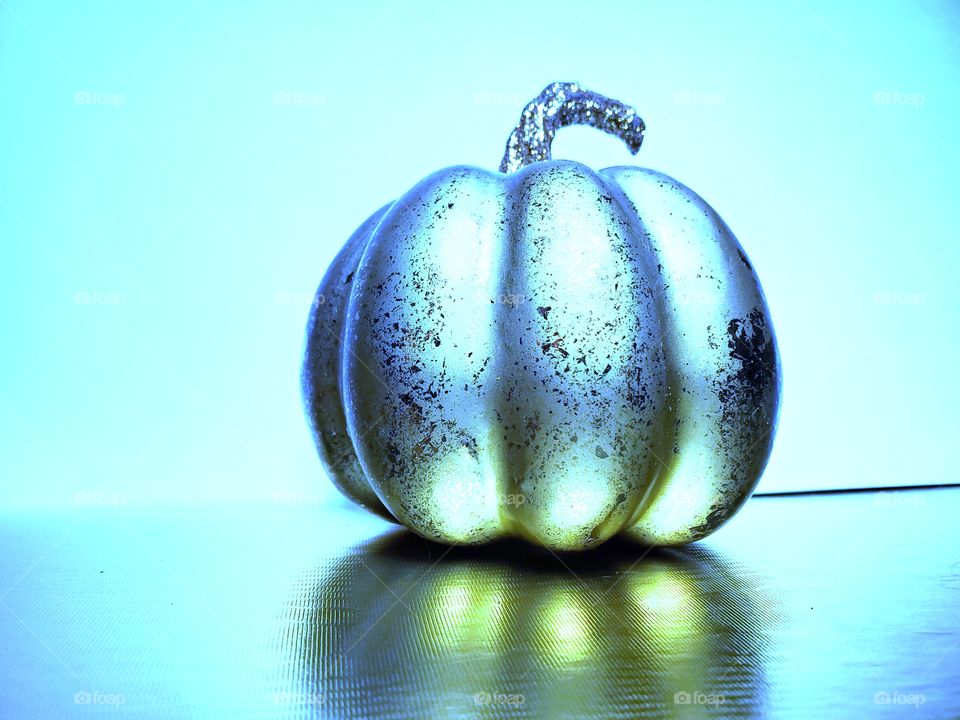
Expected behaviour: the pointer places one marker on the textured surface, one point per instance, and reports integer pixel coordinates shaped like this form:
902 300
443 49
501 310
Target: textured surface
841 606
556 354
561 105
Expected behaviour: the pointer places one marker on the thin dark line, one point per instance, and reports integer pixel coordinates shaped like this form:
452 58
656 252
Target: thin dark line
842 491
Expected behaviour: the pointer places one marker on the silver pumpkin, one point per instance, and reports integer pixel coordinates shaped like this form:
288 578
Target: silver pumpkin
547 352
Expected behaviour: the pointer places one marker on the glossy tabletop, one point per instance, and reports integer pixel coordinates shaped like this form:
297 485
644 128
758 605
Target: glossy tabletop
801 607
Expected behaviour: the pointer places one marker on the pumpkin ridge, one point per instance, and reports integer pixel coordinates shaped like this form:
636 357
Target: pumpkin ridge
323 395
668 410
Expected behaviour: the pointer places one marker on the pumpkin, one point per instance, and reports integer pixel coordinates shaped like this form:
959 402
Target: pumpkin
546 352
508 632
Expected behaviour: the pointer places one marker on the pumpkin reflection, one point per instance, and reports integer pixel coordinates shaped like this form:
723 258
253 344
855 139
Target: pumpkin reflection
401 627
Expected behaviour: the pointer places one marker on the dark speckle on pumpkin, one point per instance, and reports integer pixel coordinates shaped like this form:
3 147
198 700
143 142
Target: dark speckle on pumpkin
744 384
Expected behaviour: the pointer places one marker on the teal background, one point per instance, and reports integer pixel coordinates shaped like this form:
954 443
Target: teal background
176 176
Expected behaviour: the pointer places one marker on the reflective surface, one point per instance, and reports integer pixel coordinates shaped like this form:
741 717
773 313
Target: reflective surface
300 611
509 630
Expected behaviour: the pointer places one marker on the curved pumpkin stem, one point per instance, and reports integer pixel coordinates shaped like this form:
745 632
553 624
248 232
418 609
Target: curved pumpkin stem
560 105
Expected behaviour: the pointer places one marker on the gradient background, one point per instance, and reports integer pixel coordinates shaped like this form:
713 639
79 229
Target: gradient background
176 176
